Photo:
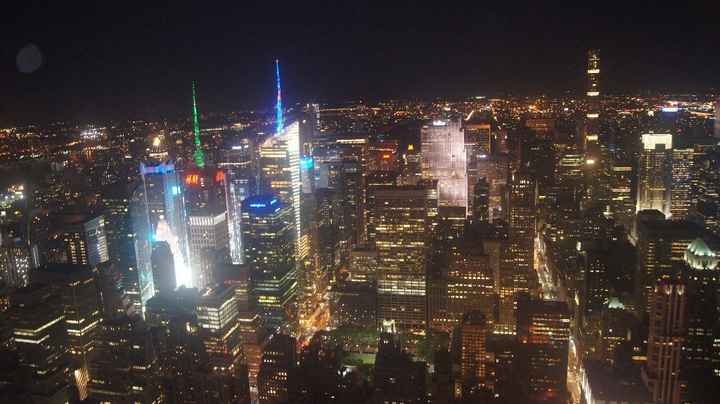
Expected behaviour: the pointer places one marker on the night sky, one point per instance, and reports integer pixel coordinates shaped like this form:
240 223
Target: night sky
112 60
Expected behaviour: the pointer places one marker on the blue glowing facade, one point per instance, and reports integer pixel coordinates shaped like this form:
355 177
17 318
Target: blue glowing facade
279 124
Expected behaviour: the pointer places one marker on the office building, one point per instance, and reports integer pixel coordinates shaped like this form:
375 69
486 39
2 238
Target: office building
277 369
15 263
163 268
543 330
402 219
217 318
681 183
668 330
654 173
516 266
398 378
622 199
444 159
208 242
473 334
240 165
268 240
36 321
470 283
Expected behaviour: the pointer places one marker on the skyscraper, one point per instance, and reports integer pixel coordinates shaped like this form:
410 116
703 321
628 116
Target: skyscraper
591 130
401 221
681 183
217 314
655 173
481 201
280 175
717 119
96 240
157 211
268 232
15 264
661 373
276 370
516 267
444 159
239 163
473 334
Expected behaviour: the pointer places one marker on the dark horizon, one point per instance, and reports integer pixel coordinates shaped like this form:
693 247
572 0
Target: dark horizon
116 62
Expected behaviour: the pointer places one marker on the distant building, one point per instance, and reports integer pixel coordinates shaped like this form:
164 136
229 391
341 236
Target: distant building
217 316
240 165
681 196
398 378
655 173
444 159
15 264
481 201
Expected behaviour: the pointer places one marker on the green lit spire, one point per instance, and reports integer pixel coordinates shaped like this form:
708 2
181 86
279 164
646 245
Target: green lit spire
198 155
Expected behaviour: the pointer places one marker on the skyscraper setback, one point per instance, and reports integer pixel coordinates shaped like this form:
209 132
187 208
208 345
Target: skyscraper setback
655 173
444 159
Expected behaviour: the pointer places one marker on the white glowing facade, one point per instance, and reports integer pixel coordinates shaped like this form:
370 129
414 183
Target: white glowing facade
655 173
280 165
158 214
444 159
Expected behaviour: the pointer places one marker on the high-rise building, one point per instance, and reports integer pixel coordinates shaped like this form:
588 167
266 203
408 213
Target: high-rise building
268 235
543 330
96 240
157 211
444 159
516 267
702 277
473 333
402 219
470 283
240 165
208 239
622 199
123 363
38 332
681 183
163 268
661 246
591 135
280 176
276 370
15 264
668 316
217 316
655 173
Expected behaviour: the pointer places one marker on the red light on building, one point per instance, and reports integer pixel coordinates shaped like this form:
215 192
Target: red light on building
386 157
220 176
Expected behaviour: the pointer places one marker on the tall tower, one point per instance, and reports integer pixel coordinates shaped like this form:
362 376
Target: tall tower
279 124
590 140
444 160
654 173
198 155
665 342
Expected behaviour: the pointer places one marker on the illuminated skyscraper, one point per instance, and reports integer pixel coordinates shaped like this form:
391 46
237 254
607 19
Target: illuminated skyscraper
661 373
655 173
444 159
622 200
277 370
516 267
280 175
268 234
96 241
402 219
590 140
239 164
217 314
481 201
157 213
682 177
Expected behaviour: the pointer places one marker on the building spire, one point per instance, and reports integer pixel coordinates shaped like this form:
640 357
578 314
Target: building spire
278 104
198 155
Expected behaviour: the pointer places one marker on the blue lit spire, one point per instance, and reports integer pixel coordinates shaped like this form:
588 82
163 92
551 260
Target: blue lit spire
278 105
